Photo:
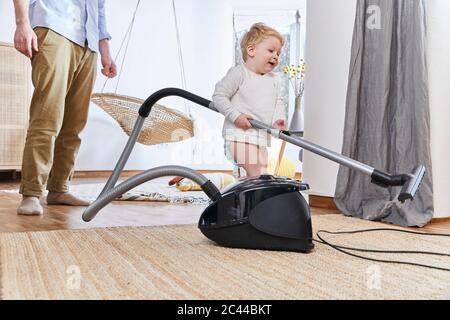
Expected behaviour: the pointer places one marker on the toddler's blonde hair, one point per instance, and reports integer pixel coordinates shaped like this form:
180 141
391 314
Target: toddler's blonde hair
257 33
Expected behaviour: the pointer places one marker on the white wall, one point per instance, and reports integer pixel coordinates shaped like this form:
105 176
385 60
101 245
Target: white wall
328 46
7 22
152 63
439 79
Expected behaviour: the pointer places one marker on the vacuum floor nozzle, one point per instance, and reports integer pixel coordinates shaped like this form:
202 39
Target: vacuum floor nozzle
411 186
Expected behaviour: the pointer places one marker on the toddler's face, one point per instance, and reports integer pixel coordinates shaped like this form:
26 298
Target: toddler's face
266 54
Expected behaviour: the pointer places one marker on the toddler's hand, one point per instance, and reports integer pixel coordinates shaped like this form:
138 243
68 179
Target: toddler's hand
242 122
280 124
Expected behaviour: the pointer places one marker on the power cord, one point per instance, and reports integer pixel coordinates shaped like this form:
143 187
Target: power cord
341 248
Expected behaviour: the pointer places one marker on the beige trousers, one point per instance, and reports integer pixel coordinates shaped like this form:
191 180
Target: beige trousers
63 75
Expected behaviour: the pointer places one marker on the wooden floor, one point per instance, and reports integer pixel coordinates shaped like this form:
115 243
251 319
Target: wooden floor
118 213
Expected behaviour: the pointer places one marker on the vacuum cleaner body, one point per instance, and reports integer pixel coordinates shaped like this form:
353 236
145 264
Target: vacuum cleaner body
266 212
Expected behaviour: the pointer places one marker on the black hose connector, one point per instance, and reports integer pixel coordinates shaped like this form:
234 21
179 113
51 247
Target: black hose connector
385 180
146 107
211 190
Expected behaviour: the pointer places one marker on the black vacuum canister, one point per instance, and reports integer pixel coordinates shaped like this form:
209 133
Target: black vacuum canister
265 212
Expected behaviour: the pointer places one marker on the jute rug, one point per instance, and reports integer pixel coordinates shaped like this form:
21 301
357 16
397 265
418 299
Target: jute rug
177 262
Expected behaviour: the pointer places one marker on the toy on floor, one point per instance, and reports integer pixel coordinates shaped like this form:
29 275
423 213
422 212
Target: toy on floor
220 180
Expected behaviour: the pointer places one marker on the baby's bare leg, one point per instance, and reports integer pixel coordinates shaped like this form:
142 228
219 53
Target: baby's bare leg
249 156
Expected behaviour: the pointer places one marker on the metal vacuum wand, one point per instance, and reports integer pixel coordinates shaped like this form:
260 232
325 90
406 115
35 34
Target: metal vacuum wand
409 181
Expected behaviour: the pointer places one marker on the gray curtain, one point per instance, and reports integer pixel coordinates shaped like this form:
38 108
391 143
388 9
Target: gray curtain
387 120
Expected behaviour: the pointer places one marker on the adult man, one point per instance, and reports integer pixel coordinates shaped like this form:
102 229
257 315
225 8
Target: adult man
62 39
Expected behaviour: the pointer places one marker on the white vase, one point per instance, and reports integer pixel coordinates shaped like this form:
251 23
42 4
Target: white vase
296 126
297 122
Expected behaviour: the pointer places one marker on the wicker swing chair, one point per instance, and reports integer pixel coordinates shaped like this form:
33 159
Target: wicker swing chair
163 125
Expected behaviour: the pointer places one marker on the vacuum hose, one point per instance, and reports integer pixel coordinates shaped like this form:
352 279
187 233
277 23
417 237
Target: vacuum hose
109 195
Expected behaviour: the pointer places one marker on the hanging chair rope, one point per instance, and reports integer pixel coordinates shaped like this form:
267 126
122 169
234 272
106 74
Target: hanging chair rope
126 38
180 57
163 125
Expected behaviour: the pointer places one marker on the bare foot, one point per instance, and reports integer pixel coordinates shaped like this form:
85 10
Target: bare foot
30 206
65 198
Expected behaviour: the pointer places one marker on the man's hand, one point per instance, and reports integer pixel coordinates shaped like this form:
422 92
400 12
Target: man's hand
280 124
242 122
109 67
25 40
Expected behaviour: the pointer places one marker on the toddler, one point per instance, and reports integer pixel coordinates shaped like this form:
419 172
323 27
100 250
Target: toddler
251 91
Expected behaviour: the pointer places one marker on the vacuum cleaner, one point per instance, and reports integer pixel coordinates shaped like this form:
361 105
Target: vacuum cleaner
264 212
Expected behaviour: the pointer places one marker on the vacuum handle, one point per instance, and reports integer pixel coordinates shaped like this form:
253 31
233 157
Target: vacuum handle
146 107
